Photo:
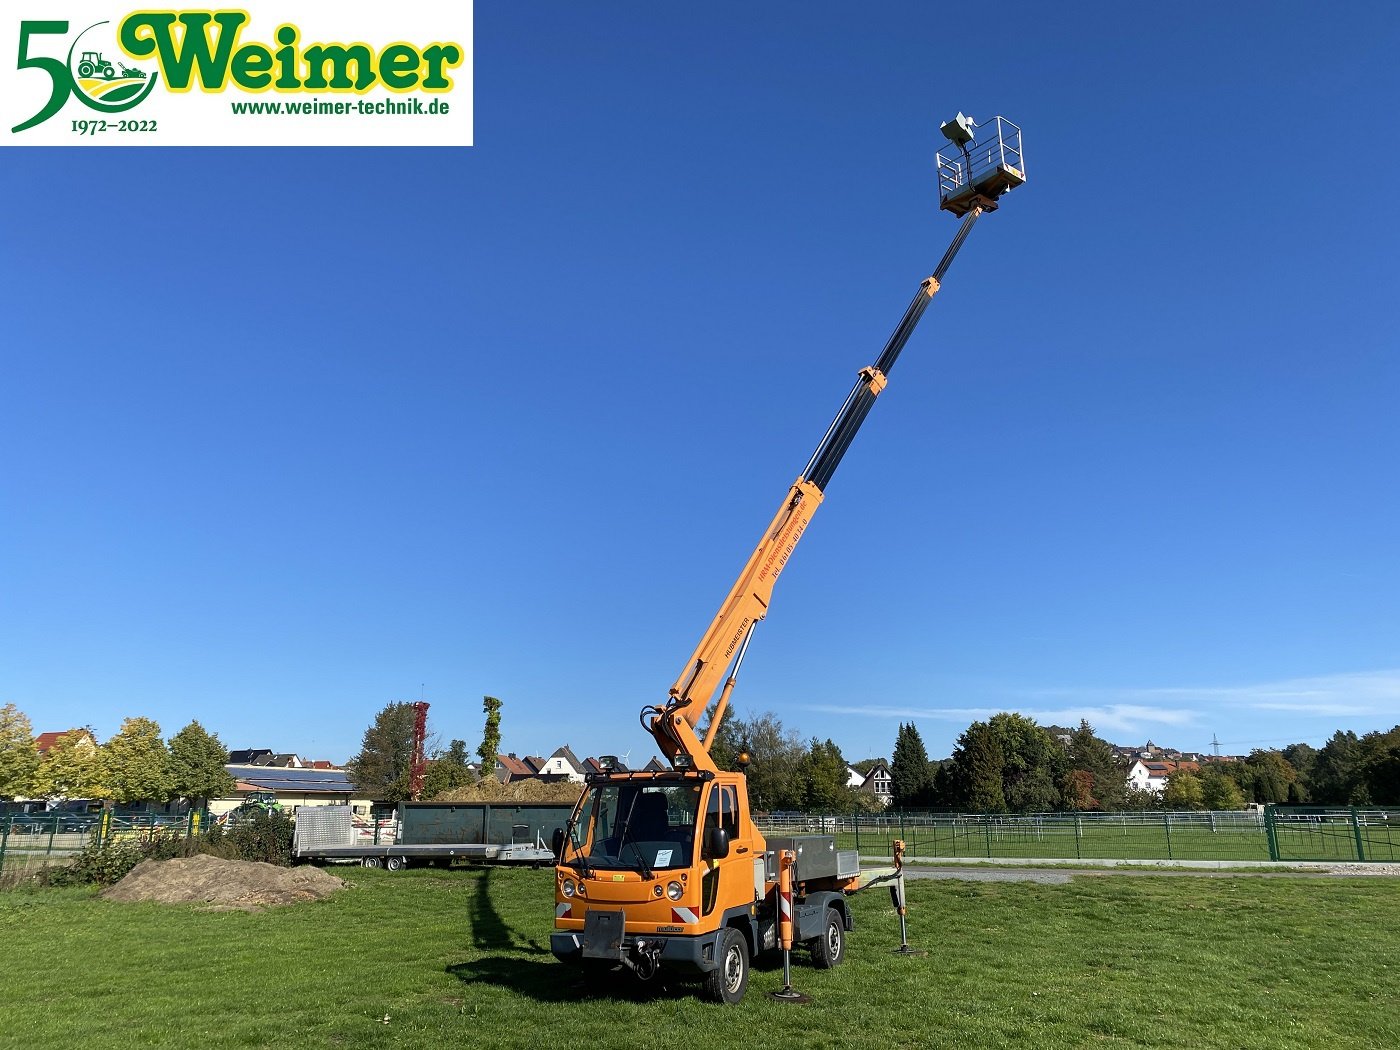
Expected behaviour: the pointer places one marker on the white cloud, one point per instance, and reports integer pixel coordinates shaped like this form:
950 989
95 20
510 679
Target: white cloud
1132 712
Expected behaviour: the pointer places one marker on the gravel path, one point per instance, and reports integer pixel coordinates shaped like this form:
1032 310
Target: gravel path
1060 876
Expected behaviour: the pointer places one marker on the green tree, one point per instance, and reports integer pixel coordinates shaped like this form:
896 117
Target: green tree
1336 774
1033 764
18 759
776 753
1183 791
823 774
1096 757
911 784
978 762
1302 757
1271 776
1379 767
136 764
381 769
490 747
70 768
1136 798
1219 790
448 771
728 741
197 770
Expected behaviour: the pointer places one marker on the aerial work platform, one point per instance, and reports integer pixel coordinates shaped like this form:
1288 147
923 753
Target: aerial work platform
979 164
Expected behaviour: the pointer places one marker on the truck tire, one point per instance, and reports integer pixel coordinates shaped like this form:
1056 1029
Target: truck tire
829 949
728 981
395 863
370 862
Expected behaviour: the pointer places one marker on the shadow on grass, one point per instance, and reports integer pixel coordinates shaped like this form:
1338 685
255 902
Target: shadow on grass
550 981
490 932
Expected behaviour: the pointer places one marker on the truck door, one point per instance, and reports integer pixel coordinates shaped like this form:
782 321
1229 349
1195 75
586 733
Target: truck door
721 811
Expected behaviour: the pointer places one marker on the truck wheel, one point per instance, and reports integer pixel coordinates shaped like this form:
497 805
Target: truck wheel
728 981
830 947
370 862
395 863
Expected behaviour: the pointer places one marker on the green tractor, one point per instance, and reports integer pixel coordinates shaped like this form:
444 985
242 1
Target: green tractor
93 64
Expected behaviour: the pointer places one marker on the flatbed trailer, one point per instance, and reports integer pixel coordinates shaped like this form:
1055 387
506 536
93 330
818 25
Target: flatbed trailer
432 833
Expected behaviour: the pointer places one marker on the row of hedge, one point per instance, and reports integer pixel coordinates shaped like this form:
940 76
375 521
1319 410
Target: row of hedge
266 838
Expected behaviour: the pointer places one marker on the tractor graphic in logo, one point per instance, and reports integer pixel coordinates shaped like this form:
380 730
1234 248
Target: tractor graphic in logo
99 83
93 64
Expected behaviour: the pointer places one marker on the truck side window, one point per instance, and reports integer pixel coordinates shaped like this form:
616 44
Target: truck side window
723 810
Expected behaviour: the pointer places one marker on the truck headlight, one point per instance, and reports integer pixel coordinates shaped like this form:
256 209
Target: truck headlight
674 890
568 887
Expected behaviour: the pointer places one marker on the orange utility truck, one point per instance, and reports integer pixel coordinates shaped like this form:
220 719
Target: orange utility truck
667 869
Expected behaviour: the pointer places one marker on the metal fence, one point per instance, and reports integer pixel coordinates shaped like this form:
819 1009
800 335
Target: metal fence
29 841
1276 834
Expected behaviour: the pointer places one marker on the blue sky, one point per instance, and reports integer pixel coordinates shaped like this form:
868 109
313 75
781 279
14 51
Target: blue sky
290 434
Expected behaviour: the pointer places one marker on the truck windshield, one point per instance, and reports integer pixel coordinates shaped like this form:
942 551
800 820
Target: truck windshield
642 826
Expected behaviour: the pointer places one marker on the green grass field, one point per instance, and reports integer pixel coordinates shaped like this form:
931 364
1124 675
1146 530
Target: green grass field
431 958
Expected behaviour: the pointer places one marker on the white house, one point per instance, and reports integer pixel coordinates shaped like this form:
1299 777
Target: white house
563 763
1147 775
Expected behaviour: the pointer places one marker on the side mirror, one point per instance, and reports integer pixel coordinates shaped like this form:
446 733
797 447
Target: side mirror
557 843
716 844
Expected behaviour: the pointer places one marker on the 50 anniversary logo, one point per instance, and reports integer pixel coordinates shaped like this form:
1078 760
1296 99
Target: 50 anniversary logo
112 66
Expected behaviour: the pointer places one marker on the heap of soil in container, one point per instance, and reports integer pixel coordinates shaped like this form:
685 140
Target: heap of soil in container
222 884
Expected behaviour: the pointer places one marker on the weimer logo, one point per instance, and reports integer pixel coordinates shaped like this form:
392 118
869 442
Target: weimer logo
91 76
279 72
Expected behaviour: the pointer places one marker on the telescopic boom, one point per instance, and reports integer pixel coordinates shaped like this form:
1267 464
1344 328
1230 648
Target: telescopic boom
714 665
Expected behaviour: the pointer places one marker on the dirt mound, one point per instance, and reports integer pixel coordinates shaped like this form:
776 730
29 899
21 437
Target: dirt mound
219 883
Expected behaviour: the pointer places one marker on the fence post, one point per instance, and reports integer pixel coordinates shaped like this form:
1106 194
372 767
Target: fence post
1356 830
4 840
987 826
855 819
1271 833
1078 832
1167 823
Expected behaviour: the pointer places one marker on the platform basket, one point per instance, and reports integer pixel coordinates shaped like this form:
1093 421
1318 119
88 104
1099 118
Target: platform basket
982 170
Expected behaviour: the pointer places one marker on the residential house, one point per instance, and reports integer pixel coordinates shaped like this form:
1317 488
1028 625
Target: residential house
877 783
509 769
854 777
293 787
563 765
1146 775
248 756
86 742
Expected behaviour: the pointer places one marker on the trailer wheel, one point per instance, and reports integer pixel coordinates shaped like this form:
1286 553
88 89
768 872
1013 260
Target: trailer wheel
370 862
728 981
395 863
829 948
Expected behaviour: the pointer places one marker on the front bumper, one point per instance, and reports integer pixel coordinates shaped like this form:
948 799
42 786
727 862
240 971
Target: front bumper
698 953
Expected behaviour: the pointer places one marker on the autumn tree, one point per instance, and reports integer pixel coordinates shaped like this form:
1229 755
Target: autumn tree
381 769
197 766
18 759
1096 756
135 763
70 768
1077 790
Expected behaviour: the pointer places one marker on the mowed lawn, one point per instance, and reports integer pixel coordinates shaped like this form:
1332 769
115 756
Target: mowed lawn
434 958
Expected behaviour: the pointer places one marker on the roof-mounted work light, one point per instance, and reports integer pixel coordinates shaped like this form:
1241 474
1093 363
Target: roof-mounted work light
958 131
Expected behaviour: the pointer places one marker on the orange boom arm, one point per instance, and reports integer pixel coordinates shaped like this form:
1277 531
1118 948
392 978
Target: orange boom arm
714 665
